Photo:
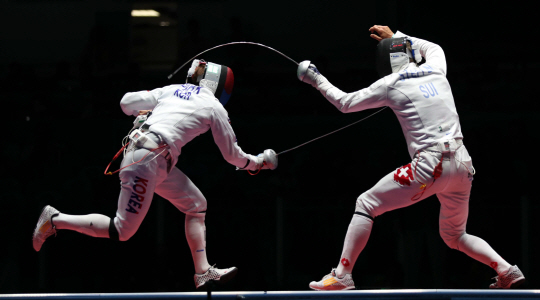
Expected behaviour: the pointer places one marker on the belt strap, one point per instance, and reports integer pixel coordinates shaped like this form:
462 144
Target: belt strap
446 146
156 138
160 142
149 141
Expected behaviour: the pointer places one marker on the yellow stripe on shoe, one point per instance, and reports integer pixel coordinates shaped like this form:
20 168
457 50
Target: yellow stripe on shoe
329 281
46 226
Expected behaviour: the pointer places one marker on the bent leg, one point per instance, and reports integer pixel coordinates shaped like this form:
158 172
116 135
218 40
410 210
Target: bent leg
396 190
452 224
137 188
137 183
178 189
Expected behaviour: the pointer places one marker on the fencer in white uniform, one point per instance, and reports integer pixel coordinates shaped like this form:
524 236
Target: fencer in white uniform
173 115
421 98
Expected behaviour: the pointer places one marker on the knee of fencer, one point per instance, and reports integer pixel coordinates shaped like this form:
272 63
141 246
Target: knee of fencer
113 232
195 214
363 208
121 235
452 241
199 217
124 235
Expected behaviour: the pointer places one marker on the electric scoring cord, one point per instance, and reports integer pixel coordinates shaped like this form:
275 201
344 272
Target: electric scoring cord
117 154
332 131
264 162
227 44
125 141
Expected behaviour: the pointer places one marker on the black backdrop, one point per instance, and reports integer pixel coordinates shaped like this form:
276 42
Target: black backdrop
66 64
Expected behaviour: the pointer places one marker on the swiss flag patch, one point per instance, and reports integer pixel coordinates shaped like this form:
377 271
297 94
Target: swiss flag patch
404 175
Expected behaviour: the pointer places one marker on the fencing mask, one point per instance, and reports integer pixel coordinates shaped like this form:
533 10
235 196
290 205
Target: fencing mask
394 54
218 78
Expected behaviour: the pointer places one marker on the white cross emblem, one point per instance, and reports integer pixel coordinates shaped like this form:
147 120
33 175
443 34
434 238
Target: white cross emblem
403 171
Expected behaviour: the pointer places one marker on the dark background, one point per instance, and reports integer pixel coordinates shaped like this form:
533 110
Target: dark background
65 64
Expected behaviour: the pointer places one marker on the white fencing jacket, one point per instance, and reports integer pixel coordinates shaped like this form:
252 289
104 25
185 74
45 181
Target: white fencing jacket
420 97
180 112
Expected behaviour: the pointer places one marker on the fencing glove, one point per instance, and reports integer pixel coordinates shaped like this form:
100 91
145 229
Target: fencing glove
308 73
269 158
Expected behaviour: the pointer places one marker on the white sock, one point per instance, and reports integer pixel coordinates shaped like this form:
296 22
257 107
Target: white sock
95 225
355 241
480 250
196 238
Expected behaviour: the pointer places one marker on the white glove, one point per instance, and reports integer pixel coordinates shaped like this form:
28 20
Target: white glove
269 159
308 73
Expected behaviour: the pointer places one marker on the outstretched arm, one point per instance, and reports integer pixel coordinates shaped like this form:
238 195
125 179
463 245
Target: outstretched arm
370 97
226 140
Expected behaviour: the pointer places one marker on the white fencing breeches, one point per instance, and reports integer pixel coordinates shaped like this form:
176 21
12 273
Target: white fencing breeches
414 182
140 181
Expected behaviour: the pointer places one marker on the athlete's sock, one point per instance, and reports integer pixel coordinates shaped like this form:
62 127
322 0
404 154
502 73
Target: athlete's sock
480 250
355 241
196 238
95 225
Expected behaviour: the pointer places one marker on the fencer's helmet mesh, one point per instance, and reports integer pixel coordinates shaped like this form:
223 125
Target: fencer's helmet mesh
218 78
384 49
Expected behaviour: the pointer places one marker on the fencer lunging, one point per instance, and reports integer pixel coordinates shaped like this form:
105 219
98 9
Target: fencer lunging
420 96
167 119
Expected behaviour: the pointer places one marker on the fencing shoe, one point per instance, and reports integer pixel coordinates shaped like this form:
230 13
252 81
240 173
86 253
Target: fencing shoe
512 279
331 282
219 276
44 227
